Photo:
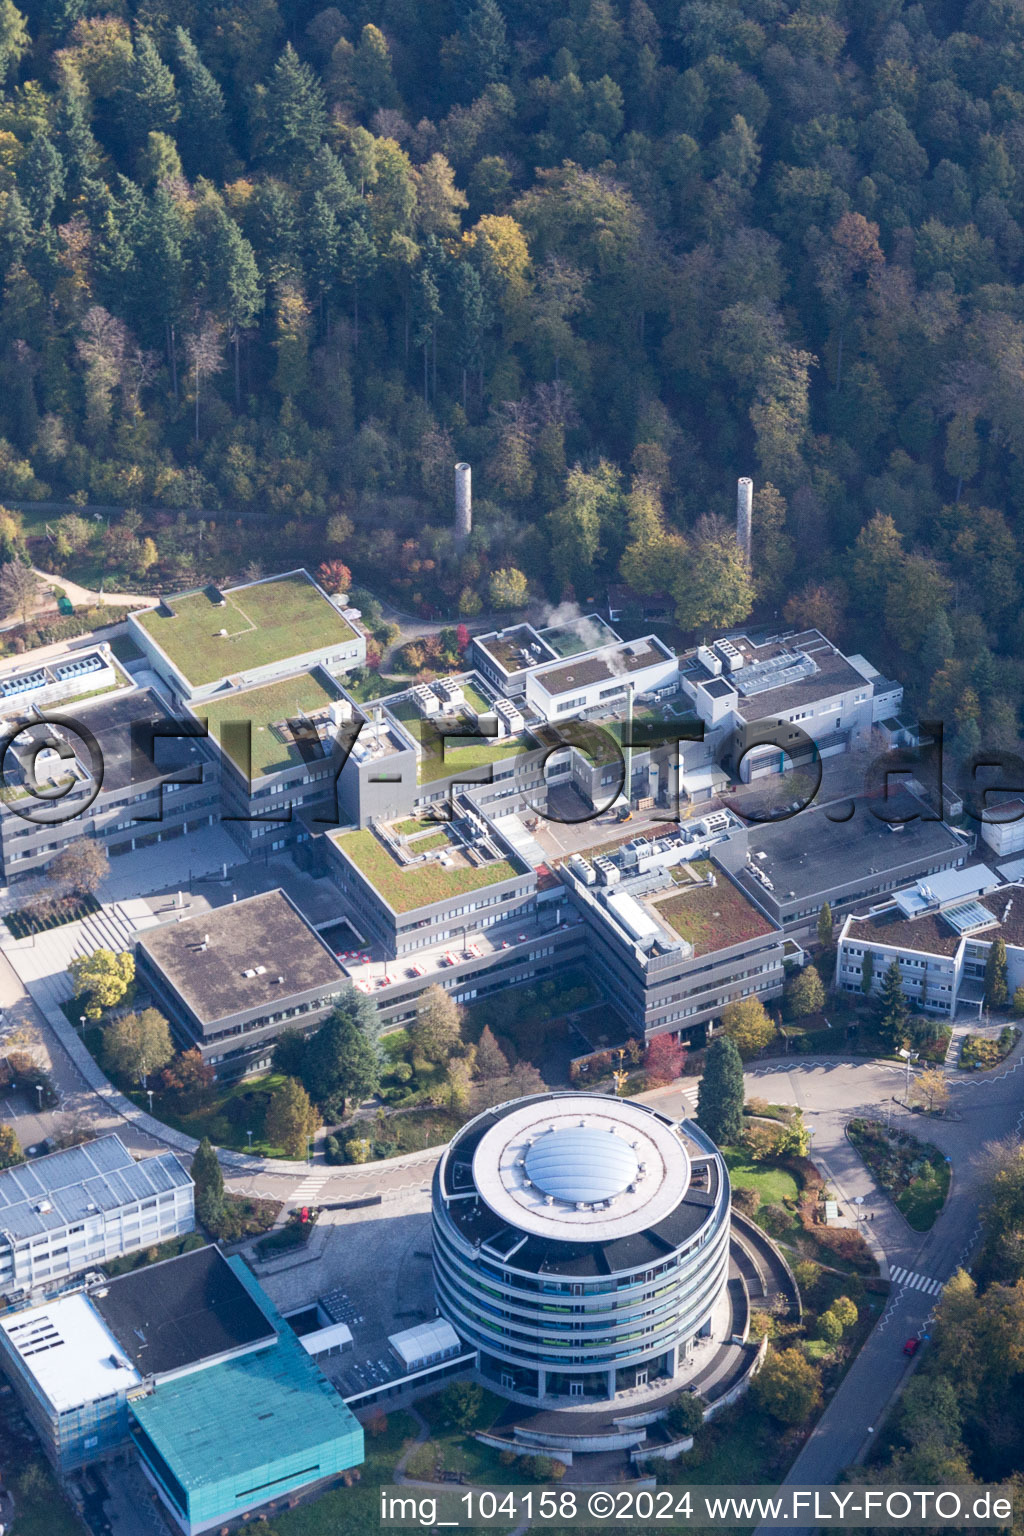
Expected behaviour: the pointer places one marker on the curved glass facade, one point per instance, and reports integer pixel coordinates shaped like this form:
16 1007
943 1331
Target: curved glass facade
579 1307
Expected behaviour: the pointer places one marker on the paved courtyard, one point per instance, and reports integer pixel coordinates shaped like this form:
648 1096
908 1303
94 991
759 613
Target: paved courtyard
379 1256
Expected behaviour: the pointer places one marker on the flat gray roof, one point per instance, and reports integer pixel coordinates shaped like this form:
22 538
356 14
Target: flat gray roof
240 956
100 1175
808 854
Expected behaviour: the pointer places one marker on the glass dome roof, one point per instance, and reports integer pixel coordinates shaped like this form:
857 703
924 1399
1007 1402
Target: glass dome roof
581 1164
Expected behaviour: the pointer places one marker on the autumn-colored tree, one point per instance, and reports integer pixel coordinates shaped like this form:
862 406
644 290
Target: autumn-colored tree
748 1024
334 576
664 1059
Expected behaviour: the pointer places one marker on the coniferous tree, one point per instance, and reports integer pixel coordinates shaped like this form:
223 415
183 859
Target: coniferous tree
825 924
892 1006
720 1093
340 1063
42 178
209 1183
149 101
996 992
867 972
202 130
296 112
73 133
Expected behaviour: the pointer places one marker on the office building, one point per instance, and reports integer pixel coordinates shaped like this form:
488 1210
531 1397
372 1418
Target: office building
188 1363
205 641
121 773
580 1243
231 979
671 936
73 1210
939 932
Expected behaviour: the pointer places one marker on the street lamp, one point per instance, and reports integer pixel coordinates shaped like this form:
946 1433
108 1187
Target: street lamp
249 1134
82 1021
149 1095
39 1090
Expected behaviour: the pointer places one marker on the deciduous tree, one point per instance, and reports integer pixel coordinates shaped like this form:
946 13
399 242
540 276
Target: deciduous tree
436 1029
748 1025
102 978
137 1044
664 1059
291 1119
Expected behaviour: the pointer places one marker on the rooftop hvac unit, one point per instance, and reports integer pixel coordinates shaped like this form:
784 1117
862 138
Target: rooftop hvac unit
733 658
708 659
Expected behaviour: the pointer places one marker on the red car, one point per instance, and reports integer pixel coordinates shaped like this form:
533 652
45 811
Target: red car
911 1346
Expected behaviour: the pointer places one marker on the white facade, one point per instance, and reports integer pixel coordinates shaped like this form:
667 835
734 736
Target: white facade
567 688
941 952
1006 835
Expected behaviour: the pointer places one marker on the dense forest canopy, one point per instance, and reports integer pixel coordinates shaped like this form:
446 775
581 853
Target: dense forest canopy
265 256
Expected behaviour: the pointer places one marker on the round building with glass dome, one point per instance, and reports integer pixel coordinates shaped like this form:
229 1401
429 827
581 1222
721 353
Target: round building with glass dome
580 1243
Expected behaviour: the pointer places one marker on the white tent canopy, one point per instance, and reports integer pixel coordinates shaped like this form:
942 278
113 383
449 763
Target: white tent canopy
425 1343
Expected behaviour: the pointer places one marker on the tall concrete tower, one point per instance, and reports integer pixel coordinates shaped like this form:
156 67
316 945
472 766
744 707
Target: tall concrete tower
744 513
463 503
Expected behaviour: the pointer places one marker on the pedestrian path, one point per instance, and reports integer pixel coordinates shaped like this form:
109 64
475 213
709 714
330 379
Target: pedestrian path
910 1279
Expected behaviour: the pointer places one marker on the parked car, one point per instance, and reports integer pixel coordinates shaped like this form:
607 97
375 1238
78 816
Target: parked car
912 1346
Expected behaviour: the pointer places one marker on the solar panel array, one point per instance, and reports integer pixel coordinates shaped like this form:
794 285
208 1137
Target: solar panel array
778 672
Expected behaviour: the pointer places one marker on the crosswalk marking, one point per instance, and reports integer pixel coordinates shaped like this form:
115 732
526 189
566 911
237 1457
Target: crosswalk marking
911 1280
311 1185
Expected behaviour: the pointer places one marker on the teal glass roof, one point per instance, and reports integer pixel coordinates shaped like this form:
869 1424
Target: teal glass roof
581 1164
257 1409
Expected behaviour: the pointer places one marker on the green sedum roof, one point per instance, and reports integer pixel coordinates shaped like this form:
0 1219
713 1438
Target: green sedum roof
266 622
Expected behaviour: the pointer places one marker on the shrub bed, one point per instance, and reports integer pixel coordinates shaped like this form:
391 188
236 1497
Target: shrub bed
914 1174
978 1052
25 921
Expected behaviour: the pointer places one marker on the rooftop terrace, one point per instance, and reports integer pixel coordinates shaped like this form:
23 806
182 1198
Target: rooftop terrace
266 622
443 760
405 886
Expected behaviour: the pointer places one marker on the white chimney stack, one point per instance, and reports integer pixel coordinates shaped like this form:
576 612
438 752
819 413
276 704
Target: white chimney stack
463 503
744 513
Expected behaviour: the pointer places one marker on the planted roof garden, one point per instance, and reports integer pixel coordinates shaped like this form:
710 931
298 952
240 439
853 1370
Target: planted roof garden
267 709
404 886
266 623
711 917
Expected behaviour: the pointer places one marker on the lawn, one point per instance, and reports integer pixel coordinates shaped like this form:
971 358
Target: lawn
712 917
774 1185
226 1114
914 1174
265 623
404 888
231 1111
354 1511
265 708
